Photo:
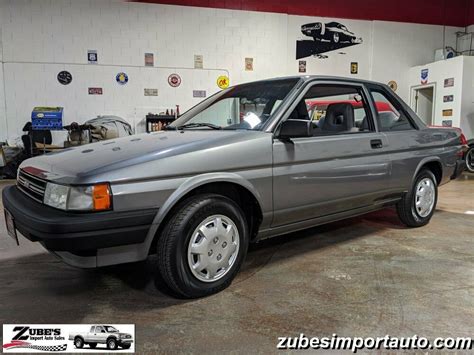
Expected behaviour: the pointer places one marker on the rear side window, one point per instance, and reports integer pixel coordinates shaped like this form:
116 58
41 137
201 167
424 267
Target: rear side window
390 116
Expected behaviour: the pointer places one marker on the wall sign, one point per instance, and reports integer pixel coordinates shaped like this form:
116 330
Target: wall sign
121 78
447 123
448 98
149 60
354 67
151 92
92 57
95 91
223 82
393 85
302 66
174 80
448 112
64 77
323 37
424 76
248 64
199 93
449 82
198 61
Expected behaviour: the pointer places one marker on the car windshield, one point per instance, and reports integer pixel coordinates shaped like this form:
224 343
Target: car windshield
111 329
245 106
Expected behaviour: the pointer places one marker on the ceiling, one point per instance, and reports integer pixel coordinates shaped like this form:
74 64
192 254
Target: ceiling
437 12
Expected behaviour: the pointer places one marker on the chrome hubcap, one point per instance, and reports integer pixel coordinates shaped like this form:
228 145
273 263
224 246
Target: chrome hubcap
213 248
425 197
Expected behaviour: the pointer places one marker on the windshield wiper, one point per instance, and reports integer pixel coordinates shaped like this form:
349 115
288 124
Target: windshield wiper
198 124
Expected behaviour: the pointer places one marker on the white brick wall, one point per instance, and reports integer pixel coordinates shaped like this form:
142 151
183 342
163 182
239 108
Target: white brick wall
59 33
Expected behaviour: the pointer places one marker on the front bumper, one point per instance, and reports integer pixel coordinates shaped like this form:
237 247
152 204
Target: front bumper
77 233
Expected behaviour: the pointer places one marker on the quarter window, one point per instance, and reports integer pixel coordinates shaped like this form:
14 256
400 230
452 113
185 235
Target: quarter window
390 116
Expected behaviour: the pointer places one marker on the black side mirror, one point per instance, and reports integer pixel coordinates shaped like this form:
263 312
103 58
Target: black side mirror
296 128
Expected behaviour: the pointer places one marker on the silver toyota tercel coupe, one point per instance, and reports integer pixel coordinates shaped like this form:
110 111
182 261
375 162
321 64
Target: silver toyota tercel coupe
253 161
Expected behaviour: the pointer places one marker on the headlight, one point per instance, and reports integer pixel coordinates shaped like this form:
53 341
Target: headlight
78 198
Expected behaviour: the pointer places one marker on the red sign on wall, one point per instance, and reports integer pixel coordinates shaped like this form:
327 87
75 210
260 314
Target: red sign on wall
95 91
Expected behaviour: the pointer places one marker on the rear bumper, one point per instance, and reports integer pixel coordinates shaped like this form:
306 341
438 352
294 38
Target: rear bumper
78 233
459 168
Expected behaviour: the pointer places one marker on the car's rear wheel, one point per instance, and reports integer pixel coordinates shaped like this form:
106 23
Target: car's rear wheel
418 205
335 37
202 245
79 343
470 159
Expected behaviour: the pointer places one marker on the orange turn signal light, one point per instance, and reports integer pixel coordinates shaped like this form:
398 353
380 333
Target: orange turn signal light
101 197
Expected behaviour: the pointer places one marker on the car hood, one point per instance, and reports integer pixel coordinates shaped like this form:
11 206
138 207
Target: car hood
69 164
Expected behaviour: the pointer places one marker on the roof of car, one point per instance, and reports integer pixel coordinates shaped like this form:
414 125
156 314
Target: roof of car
321 77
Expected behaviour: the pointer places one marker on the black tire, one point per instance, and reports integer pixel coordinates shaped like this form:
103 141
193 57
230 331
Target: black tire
172 245
111 344
335 37
79 342
406 208
125 346
92 345
470 159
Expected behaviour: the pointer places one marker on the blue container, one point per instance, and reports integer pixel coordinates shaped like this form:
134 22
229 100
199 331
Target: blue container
47 118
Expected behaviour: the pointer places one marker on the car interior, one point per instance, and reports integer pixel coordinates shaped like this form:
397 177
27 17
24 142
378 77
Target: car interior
338 116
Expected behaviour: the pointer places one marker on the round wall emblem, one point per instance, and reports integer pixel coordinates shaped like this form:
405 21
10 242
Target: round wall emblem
174 80
121 78
64 77
393 85
223 82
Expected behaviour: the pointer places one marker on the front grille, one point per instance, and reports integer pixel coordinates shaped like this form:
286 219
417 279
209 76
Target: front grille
31 185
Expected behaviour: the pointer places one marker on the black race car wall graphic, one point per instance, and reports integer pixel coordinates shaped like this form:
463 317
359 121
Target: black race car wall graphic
326 37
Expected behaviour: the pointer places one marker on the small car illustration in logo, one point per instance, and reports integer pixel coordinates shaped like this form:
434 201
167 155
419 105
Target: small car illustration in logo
102 334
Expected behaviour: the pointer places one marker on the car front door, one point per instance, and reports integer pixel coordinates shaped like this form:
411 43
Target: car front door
342 167
100 335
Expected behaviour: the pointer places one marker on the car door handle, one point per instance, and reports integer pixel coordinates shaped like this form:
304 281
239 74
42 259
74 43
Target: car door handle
376 143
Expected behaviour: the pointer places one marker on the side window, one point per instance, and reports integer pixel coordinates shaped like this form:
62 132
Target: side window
99 330
390 116
93 329
334 109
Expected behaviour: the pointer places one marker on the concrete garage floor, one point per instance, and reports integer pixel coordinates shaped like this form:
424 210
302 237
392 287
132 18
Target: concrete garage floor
367 276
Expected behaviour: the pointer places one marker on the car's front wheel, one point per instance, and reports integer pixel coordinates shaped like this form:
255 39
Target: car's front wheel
418 205
470 159
335 37
111 344
202 245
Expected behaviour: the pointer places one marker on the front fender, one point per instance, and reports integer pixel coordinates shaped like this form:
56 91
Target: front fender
191 184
